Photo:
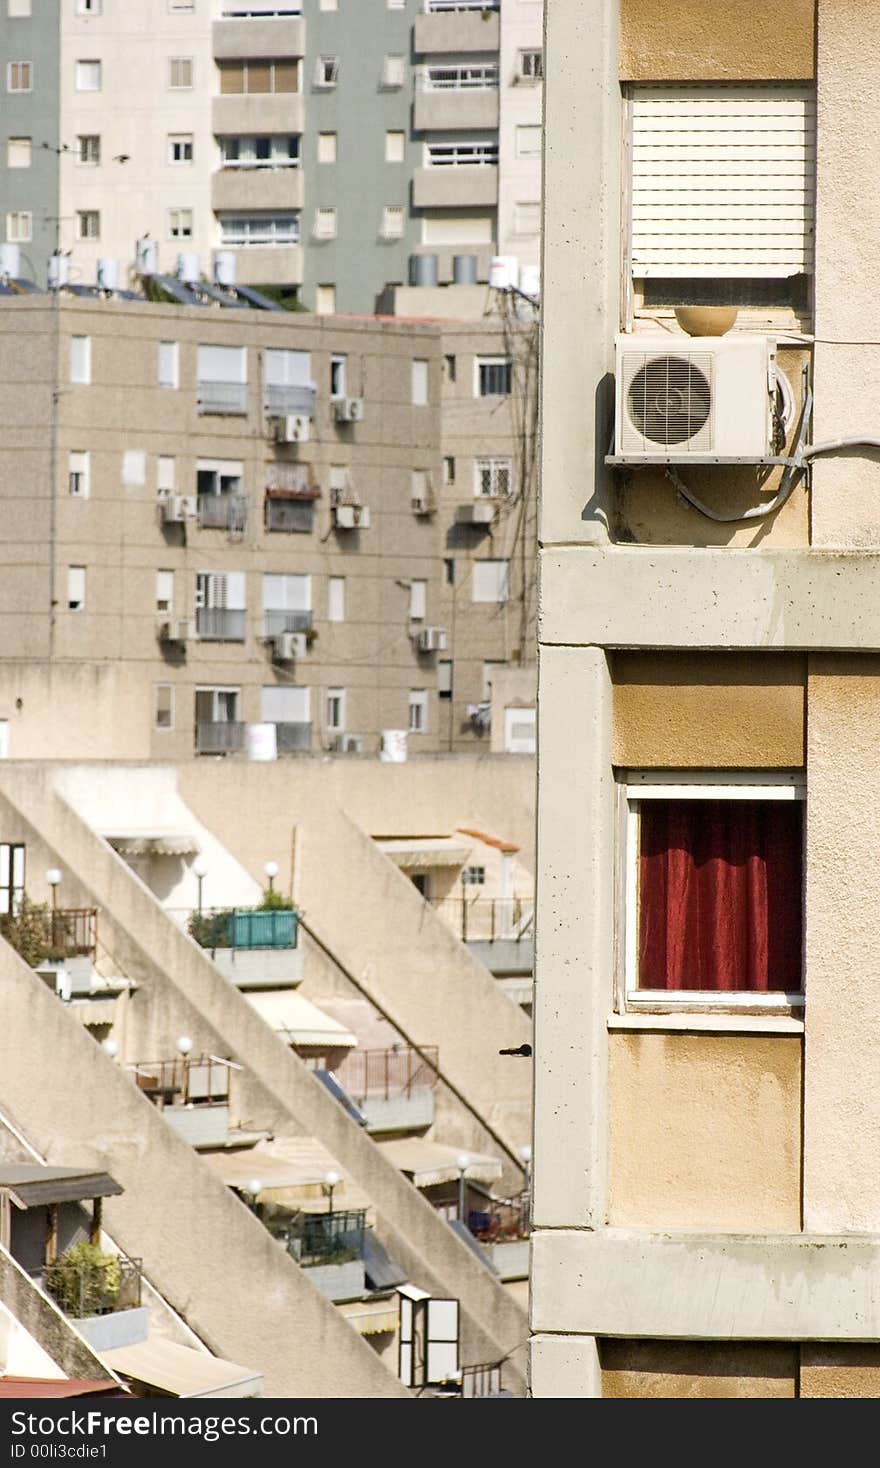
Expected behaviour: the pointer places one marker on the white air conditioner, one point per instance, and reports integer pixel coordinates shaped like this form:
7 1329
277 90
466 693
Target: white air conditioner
432 639
348 410
678 397
173 629
351 517
352 744
178 508
475 512
288 646
293 428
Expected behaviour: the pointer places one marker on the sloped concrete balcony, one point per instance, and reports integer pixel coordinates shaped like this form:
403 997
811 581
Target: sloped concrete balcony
455 188
283 35
445 30
443 109
257 187
238 114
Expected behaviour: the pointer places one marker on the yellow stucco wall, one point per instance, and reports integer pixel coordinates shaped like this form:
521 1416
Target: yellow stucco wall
702 40
704 1131
697 1369
721 710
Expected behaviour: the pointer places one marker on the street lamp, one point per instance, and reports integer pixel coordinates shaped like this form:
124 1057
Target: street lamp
200 869
110 1048
184 1045
462 1162
331 1179
254 1187
53 877
271 870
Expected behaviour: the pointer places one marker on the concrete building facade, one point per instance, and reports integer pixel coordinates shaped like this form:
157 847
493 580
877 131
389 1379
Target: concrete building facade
707 654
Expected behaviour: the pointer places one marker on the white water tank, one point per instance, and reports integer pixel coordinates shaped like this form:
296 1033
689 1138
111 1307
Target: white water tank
10 261
224 267
262 742
147 256
58 272
188 267
107 275
530 280
393 750
503 272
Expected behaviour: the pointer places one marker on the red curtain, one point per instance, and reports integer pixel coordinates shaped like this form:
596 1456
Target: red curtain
720 895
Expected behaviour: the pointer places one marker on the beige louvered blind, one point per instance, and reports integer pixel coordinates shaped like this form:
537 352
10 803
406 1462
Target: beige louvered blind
723 179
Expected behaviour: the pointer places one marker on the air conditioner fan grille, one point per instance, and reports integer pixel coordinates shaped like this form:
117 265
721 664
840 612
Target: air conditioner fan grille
669 400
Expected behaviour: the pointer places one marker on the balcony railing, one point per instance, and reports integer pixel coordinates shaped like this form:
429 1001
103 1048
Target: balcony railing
219 738
457 79
432 5
41 935
388 1073
507 1220
222 397
223 512
245 927
280 399
203 1081
289 511
221 624
276 622
293 738
489 919
328 1238
83 1284
481 1381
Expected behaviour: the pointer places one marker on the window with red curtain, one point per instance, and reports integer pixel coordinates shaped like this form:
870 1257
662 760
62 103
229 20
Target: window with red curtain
720 895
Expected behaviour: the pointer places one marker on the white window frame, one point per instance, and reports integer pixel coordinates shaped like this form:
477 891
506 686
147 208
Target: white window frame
462 154
495 361
182 141
163 728
76 577
395 145
88 224
81 360
338 374
420 382
177 227
179 62
10 65
393 71
637 786
239 231
337 695
418 702
17 149
19 9
168 368
166 473
85 142
78 474
503 581
93 61
393 222
418 601
327 71
527 71
325 223
165 591
327 147
19 226
336 599
494 465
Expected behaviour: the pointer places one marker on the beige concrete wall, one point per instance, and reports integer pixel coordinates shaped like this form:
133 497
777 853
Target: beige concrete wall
682 710
703 41
676 1369
47 1326
704 1131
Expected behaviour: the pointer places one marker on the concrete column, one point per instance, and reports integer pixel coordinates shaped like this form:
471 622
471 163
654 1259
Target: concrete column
574 957
564 1366
581 265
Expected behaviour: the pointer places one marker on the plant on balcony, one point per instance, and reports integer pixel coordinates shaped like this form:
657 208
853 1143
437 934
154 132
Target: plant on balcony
275 902
84 1280
29 930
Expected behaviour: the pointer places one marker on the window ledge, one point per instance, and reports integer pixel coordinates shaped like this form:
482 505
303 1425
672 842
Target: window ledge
738 1024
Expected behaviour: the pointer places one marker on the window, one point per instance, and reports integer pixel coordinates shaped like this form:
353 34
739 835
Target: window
460 78
449 570
164 706
328 5
288 707
81 359
18 153
180 224
222 379
449 368
420 382
325 300
691 216
287 381
418 711
395 147
444 678
166 473
19 76
418 600
490 581
531 65
326 147
327 71
88 149
473 876
463 155
335 710
19 227
493 477
392 222
325 224
420 490
12 859
237 77
181 5
134 467
713 889
78 474
18 9
394 71
448 469
279 150
493 376
76 588
180 73
219 477
287 603
180 147
259 229
527 218
88 76
220 606
336 599
169 364
164 591
338 365
217 721
528 140
89 7
88 224
395 4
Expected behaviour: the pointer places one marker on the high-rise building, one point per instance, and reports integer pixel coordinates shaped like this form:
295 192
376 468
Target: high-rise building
334 149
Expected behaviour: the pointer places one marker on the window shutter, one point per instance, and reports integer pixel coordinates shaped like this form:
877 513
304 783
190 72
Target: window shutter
723 179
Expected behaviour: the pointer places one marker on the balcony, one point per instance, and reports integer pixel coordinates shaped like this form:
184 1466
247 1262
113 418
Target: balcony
393 1088
219 738
288 511
257 113
221 624
257 186
500 932
100 1293
331 1247
454 188
460 28
444 109
43 935
245 927
233 39
276 622
293 738
268 264
223 398
279 399
223 512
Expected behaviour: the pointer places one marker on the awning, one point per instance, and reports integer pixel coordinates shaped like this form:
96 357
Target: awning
371 1317
39 1386
382 1272
182 1372
290 1170
298 1020
93 1011
154 843
412 853
428 1163
30 1185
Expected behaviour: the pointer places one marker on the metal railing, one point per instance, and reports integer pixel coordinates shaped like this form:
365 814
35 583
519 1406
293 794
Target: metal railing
245 927
387 1073
201 1081
481 1381
219 738
221 624
282 398
83 1287
432 5
489 919
222 511
275 622
293 738
72 932
507 1220
328 1238
222 397
458 79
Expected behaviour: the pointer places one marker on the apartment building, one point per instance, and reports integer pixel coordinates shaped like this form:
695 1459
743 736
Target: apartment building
706 1201
222 518
330 150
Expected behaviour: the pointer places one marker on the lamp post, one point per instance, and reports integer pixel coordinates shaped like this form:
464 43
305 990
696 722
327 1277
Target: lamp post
200 870
330 1181
53 877
462 1162
271 870
254 1187
110 1048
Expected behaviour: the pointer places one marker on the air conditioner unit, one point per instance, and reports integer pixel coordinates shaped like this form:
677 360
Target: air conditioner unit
352 744
432 639
475 512
178 508
348 410
293 428
288 646
351 517
174 629
679 397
